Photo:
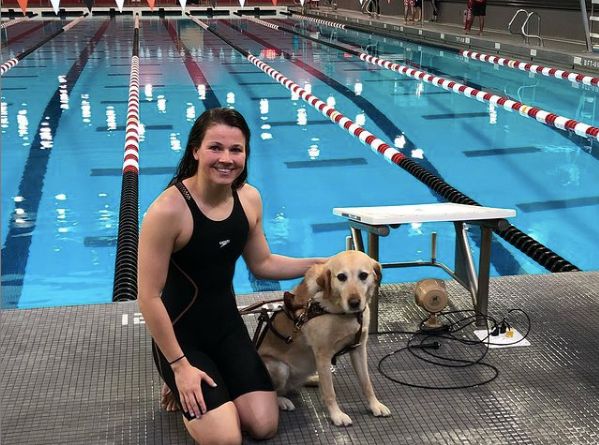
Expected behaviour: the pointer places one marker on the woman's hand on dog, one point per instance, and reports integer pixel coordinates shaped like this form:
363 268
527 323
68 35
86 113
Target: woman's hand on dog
189 381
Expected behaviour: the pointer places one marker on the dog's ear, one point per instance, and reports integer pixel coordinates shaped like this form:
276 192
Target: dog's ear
378 272
324 281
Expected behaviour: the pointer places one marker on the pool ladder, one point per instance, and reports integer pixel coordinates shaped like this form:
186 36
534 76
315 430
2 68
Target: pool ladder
524 29
594 36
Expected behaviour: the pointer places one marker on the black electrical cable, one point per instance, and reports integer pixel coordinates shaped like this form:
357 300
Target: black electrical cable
422 350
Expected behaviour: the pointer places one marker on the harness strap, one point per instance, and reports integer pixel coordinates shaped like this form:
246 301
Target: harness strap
357 339
260 332
310 310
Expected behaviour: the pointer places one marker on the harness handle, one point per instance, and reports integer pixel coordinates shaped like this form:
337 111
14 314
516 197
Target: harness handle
252 308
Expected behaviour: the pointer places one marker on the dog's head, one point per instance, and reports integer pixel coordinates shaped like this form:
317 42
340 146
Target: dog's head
348 281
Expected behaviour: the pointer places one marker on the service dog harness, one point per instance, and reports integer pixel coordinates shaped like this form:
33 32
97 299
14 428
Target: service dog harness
311 310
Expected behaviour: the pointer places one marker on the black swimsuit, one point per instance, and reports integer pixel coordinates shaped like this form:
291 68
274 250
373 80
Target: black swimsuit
199 298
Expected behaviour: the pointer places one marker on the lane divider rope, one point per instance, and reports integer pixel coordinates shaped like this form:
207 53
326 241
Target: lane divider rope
125 270
538 114
533 68
532 112
11 63
9 23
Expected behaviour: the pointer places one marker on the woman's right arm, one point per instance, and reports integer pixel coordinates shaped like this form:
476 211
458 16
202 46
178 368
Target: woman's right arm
161 227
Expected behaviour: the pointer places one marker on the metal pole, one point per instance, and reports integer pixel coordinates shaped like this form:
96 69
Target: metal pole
585 23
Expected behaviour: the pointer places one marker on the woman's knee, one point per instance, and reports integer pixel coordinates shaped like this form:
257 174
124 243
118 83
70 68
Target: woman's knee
223 437
261 429
258 414
220 426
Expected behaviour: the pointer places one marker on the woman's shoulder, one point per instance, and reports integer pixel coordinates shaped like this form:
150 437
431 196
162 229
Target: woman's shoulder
168 204
251 202
249 193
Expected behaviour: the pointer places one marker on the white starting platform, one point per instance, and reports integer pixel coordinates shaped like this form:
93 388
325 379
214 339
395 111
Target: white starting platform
377 222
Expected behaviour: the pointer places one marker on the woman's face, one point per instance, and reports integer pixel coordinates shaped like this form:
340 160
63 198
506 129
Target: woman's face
221 154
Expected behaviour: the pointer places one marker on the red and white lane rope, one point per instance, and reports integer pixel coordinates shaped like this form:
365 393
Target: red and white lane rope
545 117
11 63
377 145
13 22
263 23
326 22
69 25
131 158
531 67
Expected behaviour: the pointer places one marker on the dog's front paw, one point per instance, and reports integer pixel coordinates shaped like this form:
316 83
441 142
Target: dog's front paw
341 419
379 410
285 404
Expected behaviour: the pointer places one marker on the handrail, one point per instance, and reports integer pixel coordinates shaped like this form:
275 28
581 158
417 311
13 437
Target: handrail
525 25
524 28
509 26
364 7
585 23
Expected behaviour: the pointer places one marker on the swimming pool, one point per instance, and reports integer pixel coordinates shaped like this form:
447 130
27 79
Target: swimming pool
63 113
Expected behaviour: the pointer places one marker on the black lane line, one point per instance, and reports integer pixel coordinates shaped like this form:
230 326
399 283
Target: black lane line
127 86
294 123
146 127
194 70
500 151
424 93
142 171
212 101
452 116
558 204
340 162
271 97
329 227
503 260
12 40
15 252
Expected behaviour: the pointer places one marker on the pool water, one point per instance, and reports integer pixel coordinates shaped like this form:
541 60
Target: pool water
63 115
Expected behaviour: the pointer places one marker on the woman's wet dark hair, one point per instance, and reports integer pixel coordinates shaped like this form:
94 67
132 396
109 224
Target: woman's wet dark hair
188 166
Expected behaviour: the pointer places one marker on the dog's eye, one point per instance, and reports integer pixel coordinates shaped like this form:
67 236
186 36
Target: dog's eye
342 277
363 276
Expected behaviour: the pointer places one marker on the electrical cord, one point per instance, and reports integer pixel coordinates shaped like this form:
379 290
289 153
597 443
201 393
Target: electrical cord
423 349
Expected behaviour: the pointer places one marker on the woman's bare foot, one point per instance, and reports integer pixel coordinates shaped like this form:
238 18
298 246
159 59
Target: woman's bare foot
167 400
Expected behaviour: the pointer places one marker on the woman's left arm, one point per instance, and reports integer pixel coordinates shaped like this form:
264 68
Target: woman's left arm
257 255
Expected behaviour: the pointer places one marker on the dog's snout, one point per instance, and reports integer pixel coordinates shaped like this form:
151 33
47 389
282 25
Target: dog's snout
354 302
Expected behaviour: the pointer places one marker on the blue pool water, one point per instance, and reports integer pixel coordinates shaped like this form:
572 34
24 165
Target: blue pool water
64 108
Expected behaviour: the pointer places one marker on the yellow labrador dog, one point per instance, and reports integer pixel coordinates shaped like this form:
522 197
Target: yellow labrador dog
328 312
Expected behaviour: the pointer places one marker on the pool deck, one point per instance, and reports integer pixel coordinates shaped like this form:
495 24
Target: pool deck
565 54
84 375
